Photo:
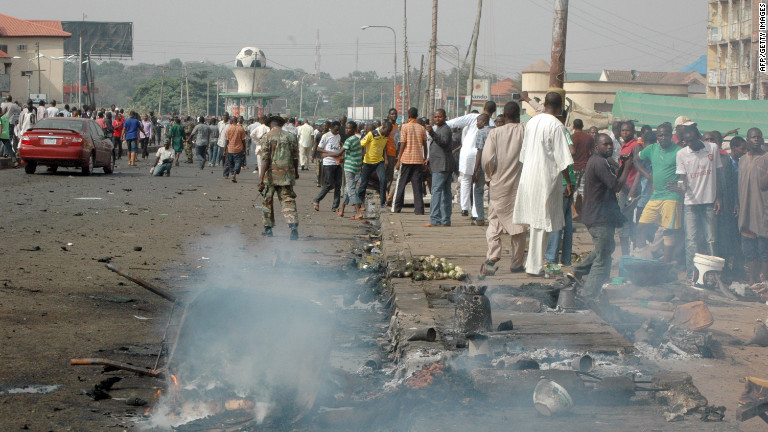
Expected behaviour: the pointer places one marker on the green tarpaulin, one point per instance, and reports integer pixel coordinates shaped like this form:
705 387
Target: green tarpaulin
709 114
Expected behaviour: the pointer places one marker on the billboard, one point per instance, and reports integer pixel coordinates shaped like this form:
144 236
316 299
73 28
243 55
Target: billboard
100 39
360 113
481 89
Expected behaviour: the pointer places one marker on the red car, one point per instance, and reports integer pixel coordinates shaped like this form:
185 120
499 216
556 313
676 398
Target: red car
67 142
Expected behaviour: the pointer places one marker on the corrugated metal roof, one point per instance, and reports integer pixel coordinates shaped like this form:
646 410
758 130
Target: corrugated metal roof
582 76
653 77
15 27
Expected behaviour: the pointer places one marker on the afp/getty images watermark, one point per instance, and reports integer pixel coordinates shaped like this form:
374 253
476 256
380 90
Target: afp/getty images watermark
762 37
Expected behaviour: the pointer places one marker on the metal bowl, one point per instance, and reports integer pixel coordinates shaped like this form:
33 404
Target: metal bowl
550 398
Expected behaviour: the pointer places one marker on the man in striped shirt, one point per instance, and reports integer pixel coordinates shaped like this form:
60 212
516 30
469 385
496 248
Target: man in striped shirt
353 161
411 162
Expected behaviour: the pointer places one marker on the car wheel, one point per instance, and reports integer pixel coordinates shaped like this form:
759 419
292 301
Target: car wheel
87 168
30 167
110 166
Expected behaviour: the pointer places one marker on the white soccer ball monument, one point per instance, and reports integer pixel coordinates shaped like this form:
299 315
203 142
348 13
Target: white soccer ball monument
251 57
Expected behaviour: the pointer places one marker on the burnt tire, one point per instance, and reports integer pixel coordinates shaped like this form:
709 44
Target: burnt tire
30 167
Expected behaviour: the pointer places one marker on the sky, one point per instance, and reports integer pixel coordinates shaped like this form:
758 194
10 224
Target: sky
649 35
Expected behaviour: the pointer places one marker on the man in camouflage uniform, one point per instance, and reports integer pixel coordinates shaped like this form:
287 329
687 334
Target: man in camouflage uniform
189 125
279 171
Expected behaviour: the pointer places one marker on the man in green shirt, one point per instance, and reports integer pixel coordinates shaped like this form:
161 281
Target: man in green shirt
5 137
353 162
279 171
665 208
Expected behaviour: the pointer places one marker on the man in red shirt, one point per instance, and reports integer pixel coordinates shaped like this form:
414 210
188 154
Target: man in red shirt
235 149
117 136
625 201
582 146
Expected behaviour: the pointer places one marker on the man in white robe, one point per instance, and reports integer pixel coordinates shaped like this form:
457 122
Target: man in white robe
545 156
467 161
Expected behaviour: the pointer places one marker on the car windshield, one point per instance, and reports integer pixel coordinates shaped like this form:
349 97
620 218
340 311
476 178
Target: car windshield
74 125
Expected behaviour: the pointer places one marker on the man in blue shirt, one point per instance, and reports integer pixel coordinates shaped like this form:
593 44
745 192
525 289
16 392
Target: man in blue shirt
131 136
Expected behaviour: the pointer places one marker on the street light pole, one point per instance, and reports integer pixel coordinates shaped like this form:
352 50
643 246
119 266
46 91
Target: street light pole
458 73
394 69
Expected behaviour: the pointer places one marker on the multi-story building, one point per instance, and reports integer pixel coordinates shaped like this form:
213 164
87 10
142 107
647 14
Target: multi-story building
36 49
732 53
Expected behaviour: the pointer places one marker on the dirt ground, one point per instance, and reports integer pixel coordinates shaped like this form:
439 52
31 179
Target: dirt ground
57 301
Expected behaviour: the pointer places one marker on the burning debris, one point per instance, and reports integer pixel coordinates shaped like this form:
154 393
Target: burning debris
246 351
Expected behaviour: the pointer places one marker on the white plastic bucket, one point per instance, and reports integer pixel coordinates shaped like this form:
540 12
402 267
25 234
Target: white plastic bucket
703 266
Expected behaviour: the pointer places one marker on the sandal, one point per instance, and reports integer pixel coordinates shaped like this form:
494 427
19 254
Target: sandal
316 205
356 217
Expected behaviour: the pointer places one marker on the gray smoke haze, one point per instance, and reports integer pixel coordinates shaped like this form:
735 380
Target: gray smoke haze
250 334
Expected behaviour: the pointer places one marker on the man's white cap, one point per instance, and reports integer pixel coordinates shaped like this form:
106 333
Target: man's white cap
684 121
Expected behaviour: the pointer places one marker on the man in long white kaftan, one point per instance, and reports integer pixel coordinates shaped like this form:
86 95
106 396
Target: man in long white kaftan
539 201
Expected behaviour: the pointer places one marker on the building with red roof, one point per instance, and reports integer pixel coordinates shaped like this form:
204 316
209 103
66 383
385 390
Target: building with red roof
35 46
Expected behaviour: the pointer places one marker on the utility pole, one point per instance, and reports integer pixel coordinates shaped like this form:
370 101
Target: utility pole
432 60
181 93
186 79
207 98
418 86
406 66
160 102
471 78
314 116
80 68
559 29
317 53
442 89
39 75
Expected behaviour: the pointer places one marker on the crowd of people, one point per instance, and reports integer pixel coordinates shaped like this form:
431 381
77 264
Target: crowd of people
670 190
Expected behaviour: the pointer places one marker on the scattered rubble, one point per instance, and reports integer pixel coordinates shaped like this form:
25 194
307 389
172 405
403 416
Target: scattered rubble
681 396
101 390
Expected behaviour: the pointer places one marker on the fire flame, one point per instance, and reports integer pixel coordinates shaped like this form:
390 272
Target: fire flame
175 381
